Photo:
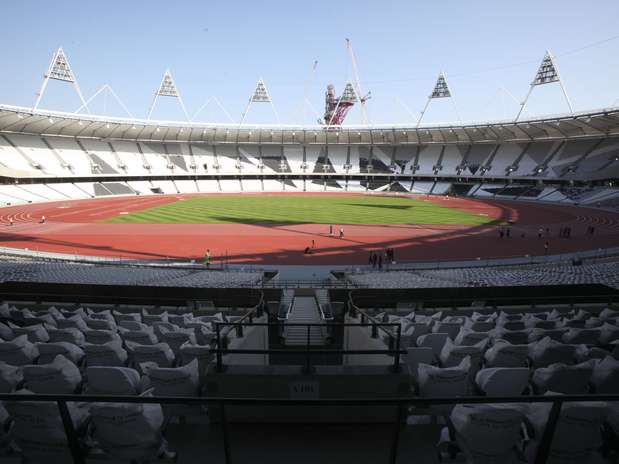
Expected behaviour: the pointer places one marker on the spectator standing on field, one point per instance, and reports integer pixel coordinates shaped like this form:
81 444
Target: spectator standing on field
207 257
341 232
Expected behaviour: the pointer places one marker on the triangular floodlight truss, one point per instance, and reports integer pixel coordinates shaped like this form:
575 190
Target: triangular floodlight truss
218 103
167 88
60 70
349 95
547 73
260 95
440 90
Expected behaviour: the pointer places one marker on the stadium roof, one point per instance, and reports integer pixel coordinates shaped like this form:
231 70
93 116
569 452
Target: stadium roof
590 124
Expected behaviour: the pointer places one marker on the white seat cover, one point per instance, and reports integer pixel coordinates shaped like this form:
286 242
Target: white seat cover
143 336
450 328
18 351
415 356
605 378
190 351
582 336
132 325
106 380
35 333
554 334
149 318
38 429
60 376
504 354
71 335
101 324
452 355
503 381
577 434
5 332
487 433
177 338
49 351
159 353
127 317
105 354
99 337
469 337
436 341
173 381
516 337
548 351
562 378
608 333
10 377
444 381
128 431
76 322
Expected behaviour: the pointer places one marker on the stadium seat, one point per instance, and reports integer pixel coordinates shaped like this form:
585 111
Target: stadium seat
158 353
547 351
70 335
561 378
577 436
468 336
39 432
105 354
452 355
100 336
605 377
503 381
60 376
175 381
202 353
129 432
436 381
504 354
436 341
104 380
582 336
176 338
35 333
485 433
144 336
416 356
19 351
49 351
11 378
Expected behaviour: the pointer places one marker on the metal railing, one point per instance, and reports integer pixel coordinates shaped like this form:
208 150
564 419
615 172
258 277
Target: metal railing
307 351
401 404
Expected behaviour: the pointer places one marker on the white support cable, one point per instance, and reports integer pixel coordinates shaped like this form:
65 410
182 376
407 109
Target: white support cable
120 102
116 97
201 108
403 105
93 96
311 107
218 103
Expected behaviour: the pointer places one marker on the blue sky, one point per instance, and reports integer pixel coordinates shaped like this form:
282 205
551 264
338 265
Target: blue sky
216 48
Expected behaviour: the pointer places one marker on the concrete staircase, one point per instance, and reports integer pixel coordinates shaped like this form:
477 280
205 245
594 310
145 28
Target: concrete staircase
304 311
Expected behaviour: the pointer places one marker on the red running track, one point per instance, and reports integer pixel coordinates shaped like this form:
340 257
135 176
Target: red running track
73 227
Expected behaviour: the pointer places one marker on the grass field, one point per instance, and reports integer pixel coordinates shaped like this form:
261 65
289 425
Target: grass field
300 209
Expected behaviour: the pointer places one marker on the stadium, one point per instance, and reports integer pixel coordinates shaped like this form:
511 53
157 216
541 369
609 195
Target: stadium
182 291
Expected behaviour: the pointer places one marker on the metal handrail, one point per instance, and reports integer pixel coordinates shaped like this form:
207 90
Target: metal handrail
401 403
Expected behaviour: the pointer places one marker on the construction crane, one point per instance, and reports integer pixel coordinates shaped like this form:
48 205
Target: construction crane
336 108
